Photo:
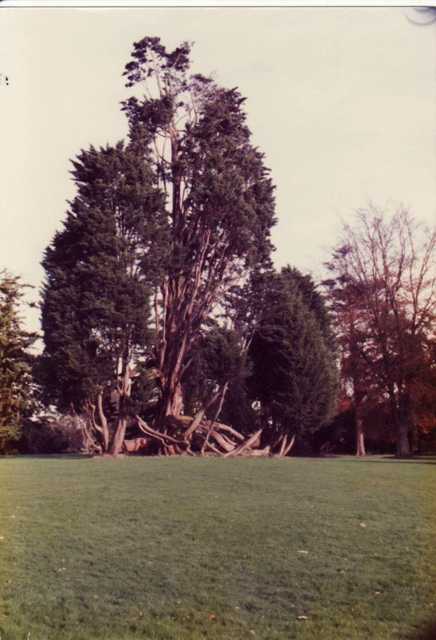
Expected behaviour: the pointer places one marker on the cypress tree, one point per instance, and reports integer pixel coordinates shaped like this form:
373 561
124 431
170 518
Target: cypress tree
15 362
220 197
294 370
99 272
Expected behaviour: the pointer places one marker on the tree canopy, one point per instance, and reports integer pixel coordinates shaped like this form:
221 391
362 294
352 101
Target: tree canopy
219 196
160 229
383 270
293 356
15 361
99 272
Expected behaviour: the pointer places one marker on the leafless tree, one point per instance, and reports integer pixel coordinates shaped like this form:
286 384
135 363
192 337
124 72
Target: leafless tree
390 264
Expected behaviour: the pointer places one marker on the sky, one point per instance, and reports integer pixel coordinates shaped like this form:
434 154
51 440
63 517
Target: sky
340 100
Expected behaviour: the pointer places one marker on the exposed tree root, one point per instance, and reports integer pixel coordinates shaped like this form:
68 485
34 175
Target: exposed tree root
196 435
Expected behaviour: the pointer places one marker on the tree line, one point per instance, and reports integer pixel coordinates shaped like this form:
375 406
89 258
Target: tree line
166 328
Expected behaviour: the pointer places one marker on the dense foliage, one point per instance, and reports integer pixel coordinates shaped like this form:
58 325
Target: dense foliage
293 355
383 290
219 196
15 362
162 313
160 229
99 272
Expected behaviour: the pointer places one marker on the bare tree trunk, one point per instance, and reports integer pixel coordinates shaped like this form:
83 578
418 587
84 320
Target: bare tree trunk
403 445
403 425
103 422
360 436
118 438
285 445
124 391
171 367
90 444
176 406
290 445
414 438
172 401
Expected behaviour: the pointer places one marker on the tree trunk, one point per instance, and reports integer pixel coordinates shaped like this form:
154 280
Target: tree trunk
103 422
124 391
285 445
360 437
172 402
414 438
290 445
403 446
403 426
118 438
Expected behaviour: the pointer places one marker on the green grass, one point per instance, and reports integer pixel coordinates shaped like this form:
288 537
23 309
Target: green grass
188 548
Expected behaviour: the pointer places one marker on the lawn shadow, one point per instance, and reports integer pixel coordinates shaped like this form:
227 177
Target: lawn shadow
48 456
427 633
381 458
412 459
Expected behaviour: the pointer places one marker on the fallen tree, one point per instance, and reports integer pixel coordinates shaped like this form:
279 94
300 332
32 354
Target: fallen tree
208 438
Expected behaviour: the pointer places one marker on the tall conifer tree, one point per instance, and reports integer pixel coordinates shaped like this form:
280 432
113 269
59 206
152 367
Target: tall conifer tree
99 270
15 361
219 196
294 363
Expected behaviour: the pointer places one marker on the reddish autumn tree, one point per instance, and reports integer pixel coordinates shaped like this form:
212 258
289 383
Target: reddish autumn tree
389 266
350 319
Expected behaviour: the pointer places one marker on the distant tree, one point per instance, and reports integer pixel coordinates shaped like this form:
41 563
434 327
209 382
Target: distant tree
349 314
219 198
314 300
15 361
100 270
390 265
423 392
292 352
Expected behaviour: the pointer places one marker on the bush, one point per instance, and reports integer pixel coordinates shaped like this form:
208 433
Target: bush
55 435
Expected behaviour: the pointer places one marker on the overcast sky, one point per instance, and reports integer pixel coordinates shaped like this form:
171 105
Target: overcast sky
340 100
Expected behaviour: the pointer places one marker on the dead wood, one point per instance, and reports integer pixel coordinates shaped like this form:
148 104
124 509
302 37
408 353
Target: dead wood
245 445
187 435
285 446
290 445
135 445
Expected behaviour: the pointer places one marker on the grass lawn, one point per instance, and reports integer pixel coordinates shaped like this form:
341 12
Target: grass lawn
219 549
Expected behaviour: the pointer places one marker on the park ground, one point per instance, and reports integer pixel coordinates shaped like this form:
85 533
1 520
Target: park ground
183 548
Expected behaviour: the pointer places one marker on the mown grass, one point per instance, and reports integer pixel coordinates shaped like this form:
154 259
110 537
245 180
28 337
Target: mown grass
185 549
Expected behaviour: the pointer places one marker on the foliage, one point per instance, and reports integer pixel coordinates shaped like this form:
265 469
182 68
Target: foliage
294 372
384 279
64 434
15 362
99 271
219 196
219 362
177 216
347 308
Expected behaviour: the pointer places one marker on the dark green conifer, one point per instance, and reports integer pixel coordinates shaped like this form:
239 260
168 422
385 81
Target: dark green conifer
99 271
294 368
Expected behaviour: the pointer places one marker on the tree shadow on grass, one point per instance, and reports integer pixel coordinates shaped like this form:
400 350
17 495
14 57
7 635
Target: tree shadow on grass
427 633
412 459
48 456
381 458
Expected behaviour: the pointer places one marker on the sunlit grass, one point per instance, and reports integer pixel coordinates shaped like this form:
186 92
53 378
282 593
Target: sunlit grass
188 548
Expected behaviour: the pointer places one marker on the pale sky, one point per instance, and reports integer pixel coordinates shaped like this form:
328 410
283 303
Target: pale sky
341 101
